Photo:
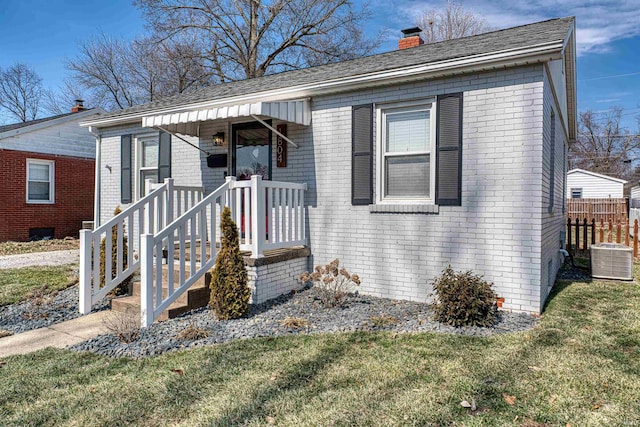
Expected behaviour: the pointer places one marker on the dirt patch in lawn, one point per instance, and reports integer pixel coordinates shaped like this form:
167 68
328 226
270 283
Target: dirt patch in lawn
14 248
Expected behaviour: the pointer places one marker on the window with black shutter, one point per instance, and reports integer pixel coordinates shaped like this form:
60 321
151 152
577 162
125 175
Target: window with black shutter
362 155
126 186
449 150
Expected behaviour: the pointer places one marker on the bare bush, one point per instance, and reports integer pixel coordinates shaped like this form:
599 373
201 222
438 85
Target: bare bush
331 284
294 322
125 325
192 333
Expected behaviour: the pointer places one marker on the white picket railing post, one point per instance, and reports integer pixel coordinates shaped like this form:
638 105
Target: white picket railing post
86 246
169 205
258 216
146 280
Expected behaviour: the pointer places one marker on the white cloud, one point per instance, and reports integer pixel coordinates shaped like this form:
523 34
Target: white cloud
599 22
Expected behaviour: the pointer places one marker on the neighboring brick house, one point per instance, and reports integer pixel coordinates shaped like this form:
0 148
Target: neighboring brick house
434 154
47 174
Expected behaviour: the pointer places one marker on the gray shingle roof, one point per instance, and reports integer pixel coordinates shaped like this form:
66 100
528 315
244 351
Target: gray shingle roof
511 38
14 126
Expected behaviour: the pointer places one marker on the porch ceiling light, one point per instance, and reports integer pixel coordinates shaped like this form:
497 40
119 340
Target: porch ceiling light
218 139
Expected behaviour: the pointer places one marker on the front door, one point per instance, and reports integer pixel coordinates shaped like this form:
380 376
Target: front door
250 151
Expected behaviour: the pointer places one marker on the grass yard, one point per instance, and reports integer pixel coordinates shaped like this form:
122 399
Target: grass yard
579 367
14 248
16 284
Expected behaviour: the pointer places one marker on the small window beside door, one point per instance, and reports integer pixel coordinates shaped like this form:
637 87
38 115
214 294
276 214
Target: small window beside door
148 165
40 181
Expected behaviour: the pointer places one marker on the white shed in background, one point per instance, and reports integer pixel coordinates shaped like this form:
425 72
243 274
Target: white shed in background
582 184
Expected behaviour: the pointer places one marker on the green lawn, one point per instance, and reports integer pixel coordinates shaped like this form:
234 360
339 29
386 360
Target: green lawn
580 366
16 284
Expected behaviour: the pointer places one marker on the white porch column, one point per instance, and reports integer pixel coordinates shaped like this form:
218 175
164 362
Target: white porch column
85 288
146 280
258 217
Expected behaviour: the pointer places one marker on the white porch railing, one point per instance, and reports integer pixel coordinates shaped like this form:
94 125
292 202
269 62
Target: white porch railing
148 215
269 215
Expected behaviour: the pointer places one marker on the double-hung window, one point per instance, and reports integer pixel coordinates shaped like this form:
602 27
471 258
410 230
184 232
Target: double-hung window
406 165
40 181
148 162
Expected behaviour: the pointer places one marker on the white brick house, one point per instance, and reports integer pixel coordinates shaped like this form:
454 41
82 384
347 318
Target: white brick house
450 153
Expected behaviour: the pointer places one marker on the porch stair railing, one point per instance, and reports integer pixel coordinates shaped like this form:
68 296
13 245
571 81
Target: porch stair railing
150 214
269 215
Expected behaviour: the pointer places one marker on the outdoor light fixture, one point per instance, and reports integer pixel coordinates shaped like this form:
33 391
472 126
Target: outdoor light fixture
218 139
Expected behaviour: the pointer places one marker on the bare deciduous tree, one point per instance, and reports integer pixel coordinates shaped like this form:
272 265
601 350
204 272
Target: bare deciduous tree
250 38
117 74
603 145
452 22
20 91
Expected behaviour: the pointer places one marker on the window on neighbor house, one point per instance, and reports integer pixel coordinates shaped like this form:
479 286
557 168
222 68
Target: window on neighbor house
40 181
148 148
576 193
406 168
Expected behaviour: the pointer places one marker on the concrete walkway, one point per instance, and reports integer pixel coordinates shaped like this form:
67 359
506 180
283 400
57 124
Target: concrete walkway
59 335
70 256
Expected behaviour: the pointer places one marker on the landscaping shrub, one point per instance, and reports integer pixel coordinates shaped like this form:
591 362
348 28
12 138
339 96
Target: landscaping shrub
331 284
125 326
122 288
464 299
230 294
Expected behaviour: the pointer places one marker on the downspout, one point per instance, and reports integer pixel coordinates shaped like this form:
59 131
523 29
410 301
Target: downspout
96 197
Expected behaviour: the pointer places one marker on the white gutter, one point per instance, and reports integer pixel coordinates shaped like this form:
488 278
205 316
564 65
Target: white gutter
96 193
509 57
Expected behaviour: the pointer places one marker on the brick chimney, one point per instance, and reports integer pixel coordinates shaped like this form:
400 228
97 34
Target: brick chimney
410 38
79 106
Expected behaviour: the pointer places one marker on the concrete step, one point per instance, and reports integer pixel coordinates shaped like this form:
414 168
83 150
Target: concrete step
195 297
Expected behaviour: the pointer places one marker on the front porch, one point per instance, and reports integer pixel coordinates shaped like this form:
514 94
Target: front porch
174 247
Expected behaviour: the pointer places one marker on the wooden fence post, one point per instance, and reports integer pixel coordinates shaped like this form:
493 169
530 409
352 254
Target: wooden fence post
601 230
619 232
569 235
610 238
626 234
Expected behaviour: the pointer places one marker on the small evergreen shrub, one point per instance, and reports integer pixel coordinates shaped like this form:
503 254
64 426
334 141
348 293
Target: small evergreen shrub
464 299
230 294
122 288
331 284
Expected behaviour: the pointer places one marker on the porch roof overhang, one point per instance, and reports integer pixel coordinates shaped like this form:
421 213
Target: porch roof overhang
186 122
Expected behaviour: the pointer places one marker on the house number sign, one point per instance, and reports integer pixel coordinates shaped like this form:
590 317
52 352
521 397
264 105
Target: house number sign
281 147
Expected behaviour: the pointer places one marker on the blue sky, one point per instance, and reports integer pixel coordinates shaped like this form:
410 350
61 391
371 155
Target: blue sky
45 33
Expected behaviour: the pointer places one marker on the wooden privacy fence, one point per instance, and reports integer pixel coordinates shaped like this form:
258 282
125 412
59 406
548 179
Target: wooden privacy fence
597 209
582 234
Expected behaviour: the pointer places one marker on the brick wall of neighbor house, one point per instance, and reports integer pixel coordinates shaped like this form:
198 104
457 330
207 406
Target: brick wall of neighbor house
553 220
496 232
74 187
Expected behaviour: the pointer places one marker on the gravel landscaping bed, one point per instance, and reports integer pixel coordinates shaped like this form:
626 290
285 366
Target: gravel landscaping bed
568 272
362 313
46 311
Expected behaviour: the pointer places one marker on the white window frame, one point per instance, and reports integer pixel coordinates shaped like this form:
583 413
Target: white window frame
138 141
52 186
381 111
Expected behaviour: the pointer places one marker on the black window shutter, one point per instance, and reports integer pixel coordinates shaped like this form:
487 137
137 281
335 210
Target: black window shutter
449 150
164 157
362 155
126 186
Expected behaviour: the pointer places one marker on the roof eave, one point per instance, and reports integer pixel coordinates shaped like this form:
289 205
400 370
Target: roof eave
49 123
499 59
